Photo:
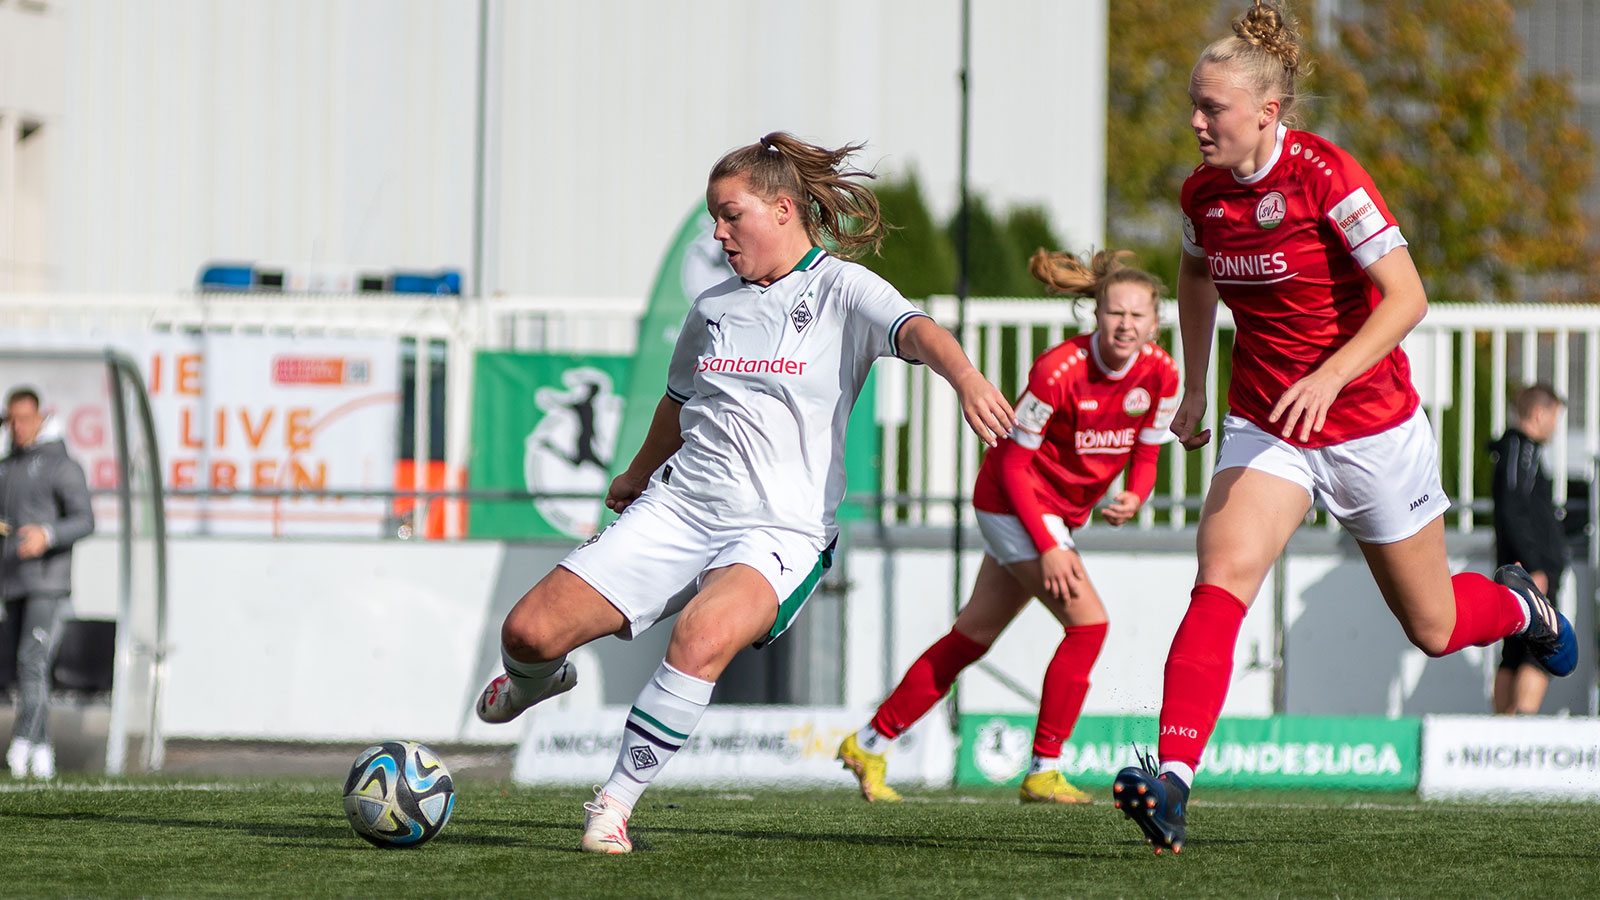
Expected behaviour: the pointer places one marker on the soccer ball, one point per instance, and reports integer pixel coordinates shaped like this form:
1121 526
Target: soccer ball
398 794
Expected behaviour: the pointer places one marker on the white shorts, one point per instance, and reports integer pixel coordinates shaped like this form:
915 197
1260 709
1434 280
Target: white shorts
1008 542
650 561
1382 488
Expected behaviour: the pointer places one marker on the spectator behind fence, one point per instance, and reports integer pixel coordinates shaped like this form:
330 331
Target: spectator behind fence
1526 531
44 510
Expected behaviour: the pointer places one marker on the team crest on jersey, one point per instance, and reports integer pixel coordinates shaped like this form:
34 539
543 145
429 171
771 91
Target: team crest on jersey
1137 402
1271 211
801 316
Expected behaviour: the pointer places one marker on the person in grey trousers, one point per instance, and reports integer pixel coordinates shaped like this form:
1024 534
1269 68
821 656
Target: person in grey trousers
44 510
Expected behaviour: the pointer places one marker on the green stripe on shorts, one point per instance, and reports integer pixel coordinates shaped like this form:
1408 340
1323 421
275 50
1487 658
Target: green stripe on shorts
789 608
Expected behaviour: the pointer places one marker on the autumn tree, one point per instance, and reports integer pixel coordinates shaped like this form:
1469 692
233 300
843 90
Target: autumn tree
1484 164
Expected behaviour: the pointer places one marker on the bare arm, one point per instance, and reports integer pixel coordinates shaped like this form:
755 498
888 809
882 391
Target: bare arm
982 404
1402 306
660 442
1197 322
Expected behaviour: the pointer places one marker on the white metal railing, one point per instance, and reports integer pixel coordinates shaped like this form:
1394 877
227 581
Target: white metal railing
1515 345
1512 345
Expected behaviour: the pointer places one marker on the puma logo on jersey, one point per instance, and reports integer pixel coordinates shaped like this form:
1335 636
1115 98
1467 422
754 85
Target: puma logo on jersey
781 567
716 323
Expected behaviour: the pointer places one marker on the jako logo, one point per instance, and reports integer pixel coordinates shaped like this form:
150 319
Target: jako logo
1180 731
1116 440
1418 502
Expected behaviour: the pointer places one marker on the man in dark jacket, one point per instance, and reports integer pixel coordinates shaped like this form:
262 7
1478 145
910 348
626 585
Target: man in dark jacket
1527 531
44 510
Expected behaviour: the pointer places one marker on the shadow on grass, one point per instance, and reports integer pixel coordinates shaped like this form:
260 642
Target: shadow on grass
1055 848
321 832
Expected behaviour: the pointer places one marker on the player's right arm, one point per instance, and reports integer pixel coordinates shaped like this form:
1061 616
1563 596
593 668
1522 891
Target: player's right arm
663 439
1197 321
1013 458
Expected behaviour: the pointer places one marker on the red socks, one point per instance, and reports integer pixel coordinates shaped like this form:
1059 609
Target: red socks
1066 681
1199 667
928 679
1485 612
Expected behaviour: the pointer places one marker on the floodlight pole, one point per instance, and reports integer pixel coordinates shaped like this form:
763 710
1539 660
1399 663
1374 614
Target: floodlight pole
963 248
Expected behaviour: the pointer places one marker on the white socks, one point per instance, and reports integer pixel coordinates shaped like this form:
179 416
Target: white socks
1043 764
871 741
1179 769
530 679
658 725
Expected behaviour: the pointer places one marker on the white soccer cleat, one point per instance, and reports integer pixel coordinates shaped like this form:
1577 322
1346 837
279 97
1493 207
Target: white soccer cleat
605 826
42 762
17 756
500 701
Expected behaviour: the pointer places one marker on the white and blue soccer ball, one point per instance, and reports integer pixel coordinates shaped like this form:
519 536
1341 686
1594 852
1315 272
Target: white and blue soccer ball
398 794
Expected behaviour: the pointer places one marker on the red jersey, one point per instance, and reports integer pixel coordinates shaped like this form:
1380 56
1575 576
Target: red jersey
1077 425
1287 249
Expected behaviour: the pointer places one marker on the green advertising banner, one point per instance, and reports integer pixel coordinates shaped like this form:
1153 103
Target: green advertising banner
1347 752
544 423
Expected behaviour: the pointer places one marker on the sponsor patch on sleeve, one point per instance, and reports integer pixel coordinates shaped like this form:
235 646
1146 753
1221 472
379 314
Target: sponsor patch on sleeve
1165 410
1033 413
1358 216
1190 244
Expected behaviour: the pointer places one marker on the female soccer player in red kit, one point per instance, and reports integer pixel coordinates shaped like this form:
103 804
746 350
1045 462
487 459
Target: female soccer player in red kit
1092 403
1291 233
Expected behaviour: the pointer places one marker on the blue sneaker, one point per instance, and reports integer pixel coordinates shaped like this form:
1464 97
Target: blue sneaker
1155 802
1549 635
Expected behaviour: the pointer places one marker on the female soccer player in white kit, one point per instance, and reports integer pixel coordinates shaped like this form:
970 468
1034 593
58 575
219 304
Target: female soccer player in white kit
1290 232
727 510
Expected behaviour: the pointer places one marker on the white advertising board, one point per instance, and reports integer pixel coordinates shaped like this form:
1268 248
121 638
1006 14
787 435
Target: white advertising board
731 745
242 412
1553 758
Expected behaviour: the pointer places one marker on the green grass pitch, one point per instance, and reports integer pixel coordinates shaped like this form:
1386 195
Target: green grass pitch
148 838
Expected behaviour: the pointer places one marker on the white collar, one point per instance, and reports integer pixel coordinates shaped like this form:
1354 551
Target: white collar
1094 351
1277 151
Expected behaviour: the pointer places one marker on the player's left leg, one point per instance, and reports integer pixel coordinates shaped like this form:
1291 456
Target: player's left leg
1066 680
735 607
1441 614
1385 490
752 590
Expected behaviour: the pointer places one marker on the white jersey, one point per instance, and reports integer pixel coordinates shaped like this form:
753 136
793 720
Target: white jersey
767 377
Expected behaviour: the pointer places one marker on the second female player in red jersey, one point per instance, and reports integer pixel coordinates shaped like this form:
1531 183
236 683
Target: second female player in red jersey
1092 403
1291 233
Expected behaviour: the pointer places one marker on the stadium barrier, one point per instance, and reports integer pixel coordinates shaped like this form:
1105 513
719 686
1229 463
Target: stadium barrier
1516 758
1345 752
782 746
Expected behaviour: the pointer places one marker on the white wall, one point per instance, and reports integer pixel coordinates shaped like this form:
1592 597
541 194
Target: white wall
342 131
360 640
1145 595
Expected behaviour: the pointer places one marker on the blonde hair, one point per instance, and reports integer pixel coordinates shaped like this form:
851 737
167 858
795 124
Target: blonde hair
834 208
1064 273
1265 49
